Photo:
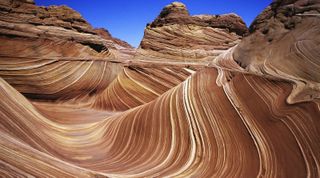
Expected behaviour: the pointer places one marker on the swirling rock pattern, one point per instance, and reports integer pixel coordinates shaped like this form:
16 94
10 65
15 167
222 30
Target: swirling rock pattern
175 35
22 19
53 53
289 39
136 86
67 110
49 77
195 129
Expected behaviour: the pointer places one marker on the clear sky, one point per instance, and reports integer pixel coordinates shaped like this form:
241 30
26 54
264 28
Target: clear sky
127 19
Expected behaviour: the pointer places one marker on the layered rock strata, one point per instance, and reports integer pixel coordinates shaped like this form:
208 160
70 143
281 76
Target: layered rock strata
49 52
176 35
187 131
289 41
165 118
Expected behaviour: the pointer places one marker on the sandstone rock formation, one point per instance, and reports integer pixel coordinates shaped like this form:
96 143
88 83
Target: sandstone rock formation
176 35
139 85
25 20
38 44
123 49
104 33
289 41
83 114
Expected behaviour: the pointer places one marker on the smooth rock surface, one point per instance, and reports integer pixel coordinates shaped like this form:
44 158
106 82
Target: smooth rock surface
47 52
284 43
175 35
67 110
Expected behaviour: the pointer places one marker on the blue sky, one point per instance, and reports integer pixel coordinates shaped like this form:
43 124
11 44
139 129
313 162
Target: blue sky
127 19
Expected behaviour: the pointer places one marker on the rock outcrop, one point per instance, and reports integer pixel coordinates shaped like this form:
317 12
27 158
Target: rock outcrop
176 35
161 116
123 49
25 20
41 44
104 33
187 131
284 43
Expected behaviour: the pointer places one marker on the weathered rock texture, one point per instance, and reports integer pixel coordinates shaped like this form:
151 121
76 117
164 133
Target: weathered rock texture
24 20
104 33
284 43
176 35
38 44
164 118
123 49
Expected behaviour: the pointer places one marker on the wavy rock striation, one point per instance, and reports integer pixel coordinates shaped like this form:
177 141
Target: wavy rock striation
25 20
195 129
139 85
69 74
53 53
175 35
124 50
289 40
158 116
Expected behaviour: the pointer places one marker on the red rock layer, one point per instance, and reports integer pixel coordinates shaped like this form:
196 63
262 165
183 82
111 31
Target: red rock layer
104 33
24 20
53 53
175 35
123 50
161 117
196 129
72 72
136 85
289 41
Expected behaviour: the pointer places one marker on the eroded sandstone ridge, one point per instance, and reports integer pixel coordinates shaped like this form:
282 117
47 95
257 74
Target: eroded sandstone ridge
288 35
177 35
38 44
68 110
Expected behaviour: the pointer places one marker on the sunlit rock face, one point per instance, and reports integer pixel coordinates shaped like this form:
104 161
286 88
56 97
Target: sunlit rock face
20 19
123 50
175 35
288 35
53 53
67 110
136 85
